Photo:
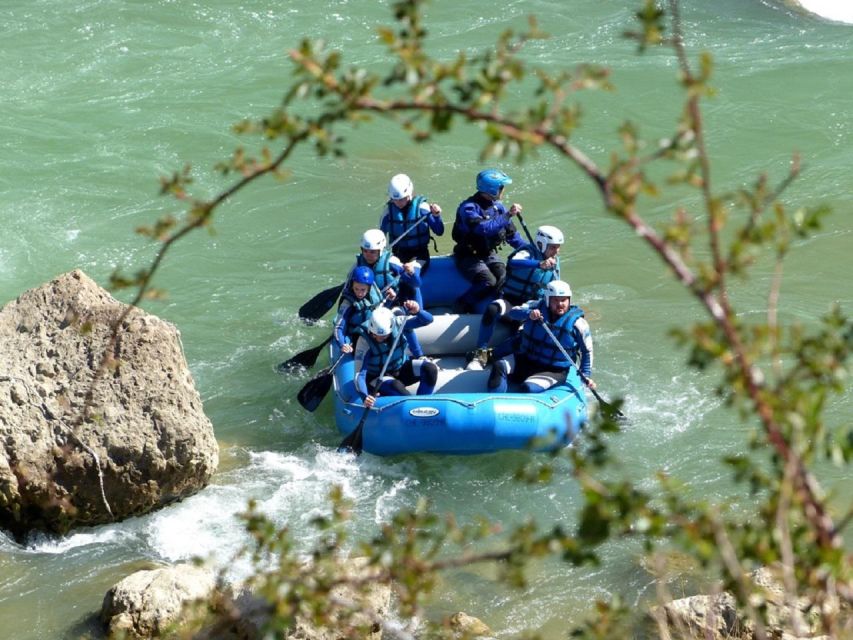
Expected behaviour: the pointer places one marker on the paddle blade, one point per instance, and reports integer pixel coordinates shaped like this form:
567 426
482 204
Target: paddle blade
354 442
319 305
312 394
608 409
305 358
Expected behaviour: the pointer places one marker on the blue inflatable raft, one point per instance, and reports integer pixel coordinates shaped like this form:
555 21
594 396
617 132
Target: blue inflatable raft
462 417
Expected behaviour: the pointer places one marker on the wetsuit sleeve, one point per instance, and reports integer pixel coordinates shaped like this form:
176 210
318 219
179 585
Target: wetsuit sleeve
385 219
420 319
341 323
413 280
472 217
482 227
583 335
522 311
361 349
436 224
523 259
397 269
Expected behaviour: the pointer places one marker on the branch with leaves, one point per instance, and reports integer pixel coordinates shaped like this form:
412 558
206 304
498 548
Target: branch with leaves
779 381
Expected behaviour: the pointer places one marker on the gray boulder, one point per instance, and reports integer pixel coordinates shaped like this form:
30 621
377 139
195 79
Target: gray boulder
150 603
141 440
717 617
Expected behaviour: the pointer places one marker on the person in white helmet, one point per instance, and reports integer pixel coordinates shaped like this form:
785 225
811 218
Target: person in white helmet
528 271
381 343
397 282
387 269
539 362
408 220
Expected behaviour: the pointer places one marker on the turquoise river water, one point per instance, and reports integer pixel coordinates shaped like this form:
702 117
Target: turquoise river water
100 98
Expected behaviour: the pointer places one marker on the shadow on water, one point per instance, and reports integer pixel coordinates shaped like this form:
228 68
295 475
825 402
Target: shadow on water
88 627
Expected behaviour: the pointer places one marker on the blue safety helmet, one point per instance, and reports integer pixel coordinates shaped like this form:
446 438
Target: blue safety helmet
363 275
491 181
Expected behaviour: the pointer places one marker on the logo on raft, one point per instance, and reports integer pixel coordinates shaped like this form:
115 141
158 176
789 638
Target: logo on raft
423 412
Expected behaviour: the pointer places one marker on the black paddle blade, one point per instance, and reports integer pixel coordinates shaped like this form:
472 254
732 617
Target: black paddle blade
608 409
312 394
305 358
354 442
319 305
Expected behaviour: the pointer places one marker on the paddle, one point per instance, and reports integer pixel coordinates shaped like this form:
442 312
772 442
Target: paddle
308 357
353 442
319 305
526 230
311 395
305 358
605 406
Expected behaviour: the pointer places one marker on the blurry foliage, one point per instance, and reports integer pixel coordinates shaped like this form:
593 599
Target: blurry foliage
779 378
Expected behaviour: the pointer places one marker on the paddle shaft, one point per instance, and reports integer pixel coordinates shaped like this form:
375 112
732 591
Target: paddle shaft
353 440
526 230
406 232
329 370
585 380
533 244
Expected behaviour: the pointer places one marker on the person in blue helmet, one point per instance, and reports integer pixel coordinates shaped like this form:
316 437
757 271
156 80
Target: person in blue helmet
539 363
381 343
360 297
482 225
528 271
408 220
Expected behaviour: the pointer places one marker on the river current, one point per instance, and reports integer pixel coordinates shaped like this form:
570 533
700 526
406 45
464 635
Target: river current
101 98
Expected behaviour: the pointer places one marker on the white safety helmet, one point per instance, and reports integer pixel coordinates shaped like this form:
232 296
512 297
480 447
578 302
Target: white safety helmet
380 322
400 187
545 235
558 289
373 239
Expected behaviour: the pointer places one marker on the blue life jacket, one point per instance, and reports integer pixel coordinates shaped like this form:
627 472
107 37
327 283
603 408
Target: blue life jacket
399 221
385 277
374 359
360 309
537 345
528 283
476 244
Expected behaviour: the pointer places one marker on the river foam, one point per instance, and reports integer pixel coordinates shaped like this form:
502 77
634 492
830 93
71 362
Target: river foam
830 9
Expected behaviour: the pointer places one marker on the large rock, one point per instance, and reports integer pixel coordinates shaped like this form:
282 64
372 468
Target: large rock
149 603
716 617
141 441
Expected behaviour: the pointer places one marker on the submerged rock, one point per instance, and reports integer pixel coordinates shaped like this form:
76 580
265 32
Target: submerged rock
468 626
142 439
